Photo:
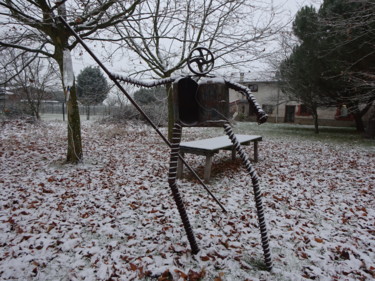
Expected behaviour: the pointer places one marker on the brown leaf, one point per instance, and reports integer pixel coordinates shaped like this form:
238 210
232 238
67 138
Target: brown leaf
51 179
166 276
125 258
344 254
319 240
85 215
133 206
35 271
25 238
45 190
19 230
277 198
205 258
224 243
50 227
141 274
181 274
133 266
196 276
219 278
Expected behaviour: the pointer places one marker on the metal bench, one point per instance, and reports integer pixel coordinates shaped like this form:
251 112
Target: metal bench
209 147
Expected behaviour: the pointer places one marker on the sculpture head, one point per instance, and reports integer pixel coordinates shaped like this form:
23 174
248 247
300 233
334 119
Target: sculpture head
200 61
202 102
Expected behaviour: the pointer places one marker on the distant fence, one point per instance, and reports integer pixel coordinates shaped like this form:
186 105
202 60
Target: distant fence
57 111
60 108
56 108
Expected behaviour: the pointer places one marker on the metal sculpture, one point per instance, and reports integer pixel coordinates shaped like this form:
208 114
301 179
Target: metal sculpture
194 109
204 60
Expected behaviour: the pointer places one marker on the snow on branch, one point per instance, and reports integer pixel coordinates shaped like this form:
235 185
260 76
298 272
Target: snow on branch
142 83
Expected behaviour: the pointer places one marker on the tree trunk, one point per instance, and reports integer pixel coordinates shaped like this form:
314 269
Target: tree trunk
37 110
316 122
170 111
63 110
88 112
358 114
370 128
358 121
74 154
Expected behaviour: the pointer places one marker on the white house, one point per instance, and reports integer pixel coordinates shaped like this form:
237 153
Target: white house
279 109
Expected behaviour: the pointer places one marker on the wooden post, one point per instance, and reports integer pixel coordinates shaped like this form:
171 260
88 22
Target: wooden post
207 168
255 151
180 167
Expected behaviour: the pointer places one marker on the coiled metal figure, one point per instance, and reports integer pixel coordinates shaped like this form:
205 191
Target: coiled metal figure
204 61
257 195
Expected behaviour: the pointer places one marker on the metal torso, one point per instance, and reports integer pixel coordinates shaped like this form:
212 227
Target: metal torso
201 104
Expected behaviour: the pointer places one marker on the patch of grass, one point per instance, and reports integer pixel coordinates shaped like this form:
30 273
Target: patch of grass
334 135
256 263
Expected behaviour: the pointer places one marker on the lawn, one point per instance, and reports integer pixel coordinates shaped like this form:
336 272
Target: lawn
113 218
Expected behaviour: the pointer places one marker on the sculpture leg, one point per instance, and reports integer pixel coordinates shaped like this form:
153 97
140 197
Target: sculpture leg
257 196
175 148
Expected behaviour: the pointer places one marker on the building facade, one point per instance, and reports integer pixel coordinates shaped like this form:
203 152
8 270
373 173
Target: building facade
281 110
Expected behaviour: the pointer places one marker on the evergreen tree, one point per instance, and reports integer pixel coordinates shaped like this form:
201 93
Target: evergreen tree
149 96
350 35
334 58
301 72
92 86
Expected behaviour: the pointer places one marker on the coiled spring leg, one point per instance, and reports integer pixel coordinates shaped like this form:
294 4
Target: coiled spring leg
257 196
175 148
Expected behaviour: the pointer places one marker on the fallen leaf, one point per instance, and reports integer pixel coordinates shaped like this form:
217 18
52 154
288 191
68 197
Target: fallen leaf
205 258
196 276
319 240
133 266
181 274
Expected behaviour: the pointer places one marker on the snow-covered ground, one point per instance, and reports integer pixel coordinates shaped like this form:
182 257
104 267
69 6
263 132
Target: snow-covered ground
113 217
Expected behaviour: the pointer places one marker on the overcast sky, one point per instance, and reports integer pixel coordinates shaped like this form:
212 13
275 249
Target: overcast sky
289 7
294 5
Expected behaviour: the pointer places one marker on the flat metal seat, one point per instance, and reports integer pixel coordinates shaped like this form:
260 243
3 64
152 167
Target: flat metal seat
209 147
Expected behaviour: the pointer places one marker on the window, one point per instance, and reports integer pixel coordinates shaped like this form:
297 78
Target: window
253 87
343 114
268 108
303 110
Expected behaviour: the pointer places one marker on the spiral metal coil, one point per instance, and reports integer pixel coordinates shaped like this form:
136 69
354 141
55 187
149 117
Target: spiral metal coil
257 196
261 115
141 83
172 175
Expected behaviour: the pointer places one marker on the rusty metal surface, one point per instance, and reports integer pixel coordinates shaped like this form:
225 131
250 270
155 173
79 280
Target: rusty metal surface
203 104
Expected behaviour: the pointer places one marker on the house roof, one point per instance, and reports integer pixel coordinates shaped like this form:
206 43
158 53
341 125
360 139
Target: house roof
252 77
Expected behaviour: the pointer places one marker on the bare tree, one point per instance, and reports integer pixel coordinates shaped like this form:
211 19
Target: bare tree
356 24
34 81
161 33
32 27
350 27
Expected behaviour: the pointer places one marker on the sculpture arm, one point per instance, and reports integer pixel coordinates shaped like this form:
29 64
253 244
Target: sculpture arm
141 83
261 115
